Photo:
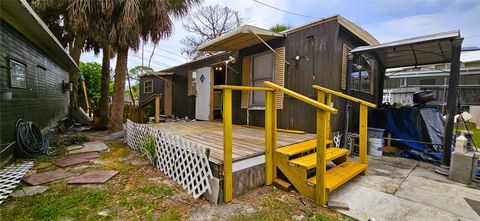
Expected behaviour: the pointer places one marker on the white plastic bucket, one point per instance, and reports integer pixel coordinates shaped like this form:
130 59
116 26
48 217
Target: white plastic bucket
375 146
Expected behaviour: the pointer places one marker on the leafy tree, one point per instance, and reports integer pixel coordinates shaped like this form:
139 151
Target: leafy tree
207 23
56 14
126 23
92 74
60 16
279 27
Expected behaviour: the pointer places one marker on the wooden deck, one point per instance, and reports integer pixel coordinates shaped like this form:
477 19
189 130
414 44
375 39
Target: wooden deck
247 141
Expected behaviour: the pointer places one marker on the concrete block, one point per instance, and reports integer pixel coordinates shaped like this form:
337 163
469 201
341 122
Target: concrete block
461 166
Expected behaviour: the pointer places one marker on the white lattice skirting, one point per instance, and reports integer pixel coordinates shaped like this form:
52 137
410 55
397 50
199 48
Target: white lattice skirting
180 159
10 176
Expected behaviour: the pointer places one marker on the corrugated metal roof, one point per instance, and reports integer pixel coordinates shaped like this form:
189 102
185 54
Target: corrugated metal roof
428 49
239 38
21 16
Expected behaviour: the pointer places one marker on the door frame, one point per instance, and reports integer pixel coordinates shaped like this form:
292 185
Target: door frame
212 90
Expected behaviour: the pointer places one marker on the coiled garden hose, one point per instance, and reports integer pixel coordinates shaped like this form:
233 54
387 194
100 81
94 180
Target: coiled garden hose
30 141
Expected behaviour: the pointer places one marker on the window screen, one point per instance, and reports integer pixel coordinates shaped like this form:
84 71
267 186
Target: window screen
362 75
18 73
262 70
148 86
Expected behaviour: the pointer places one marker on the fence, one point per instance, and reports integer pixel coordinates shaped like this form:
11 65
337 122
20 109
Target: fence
180 159
133 113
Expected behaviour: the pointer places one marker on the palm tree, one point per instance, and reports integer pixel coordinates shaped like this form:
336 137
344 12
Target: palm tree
55 14
59 15
126 23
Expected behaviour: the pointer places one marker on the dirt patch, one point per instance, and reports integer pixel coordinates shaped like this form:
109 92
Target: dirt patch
142 192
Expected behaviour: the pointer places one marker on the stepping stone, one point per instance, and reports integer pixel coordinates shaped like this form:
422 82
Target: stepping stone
29 191
93 177
46 177
94 146
77 159
74 147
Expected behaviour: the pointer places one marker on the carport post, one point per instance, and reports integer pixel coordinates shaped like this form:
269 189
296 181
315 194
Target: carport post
452 100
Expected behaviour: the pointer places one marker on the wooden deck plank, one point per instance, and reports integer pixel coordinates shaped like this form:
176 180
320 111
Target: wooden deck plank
247 142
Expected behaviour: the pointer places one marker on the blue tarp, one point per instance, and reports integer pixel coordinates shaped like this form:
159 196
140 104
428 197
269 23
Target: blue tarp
407 123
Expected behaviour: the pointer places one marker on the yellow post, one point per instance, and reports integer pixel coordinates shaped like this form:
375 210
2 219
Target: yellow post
321 170
274 135
227 145
86 96
157 109
269 130
363 136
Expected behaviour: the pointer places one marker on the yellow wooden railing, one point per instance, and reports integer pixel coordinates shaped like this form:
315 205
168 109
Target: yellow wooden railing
325 96
323 125
227 134
324 109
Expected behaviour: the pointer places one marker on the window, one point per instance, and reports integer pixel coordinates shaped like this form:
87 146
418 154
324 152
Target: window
192 84
403 82
18 73
362 73
148 86
262 70
430 81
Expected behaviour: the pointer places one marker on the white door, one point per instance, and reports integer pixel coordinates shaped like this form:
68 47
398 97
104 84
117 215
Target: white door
203 83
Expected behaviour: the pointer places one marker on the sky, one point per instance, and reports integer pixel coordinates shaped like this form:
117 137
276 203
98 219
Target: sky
386 20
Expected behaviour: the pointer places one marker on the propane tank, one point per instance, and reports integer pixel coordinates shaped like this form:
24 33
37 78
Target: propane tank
460 144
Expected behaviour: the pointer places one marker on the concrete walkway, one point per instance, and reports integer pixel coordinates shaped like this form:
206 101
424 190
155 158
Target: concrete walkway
403 189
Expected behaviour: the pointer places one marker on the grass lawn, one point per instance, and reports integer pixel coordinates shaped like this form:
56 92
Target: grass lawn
141 192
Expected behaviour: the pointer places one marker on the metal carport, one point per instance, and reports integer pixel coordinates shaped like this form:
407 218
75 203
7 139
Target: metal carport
436 48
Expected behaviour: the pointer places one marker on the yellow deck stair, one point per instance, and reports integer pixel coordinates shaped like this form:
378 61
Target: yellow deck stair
301 147
340 174
296 162
310 161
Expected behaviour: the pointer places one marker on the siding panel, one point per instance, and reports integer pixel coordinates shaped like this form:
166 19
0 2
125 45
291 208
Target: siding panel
43 101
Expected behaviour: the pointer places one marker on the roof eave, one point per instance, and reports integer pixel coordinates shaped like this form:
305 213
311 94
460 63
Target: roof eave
216 44
19 14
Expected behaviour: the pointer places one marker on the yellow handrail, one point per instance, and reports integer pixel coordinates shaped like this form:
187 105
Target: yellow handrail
301 97
270 135
342 95
363 119
242 88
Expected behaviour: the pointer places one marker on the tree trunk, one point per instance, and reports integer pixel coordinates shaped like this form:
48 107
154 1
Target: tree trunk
116 111
130 88
75 52
151 55
105 87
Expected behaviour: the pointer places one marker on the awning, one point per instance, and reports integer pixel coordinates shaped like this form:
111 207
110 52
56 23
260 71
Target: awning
428 49
239 38
156 74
